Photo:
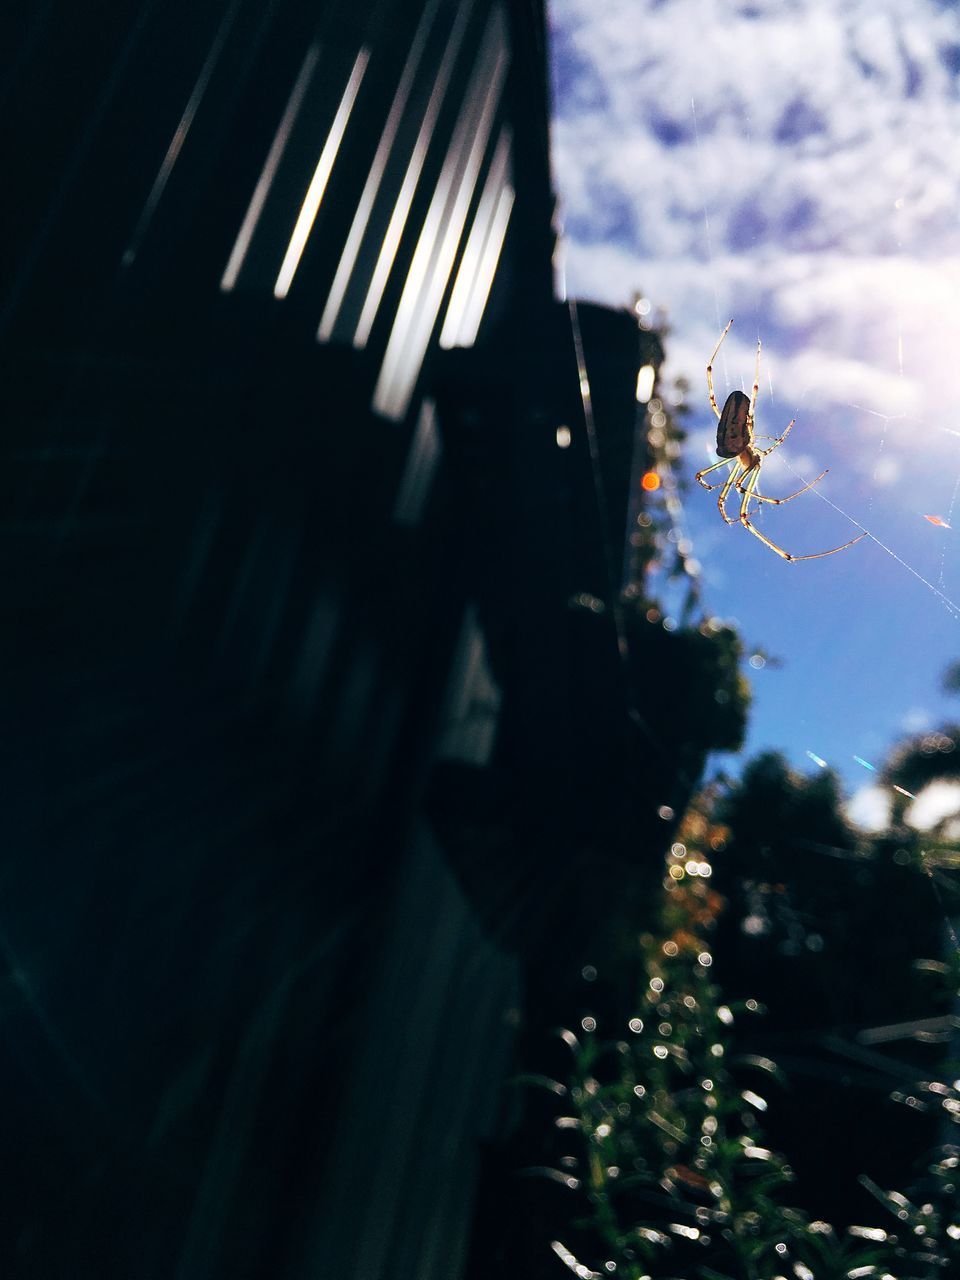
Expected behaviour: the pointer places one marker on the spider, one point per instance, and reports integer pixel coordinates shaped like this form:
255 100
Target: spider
735 445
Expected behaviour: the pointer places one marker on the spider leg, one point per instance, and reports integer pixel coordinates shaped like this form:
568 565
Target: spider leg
713 398
754 393
724 462
760 497
777 440
748 493
732 478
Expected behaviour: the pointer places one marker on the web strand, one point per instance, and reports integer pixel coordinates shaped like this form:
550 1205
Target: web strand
950 605
943 549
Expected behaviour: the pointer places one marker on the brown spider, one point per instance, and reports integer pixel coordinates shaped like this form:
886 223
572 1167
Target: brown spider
735 445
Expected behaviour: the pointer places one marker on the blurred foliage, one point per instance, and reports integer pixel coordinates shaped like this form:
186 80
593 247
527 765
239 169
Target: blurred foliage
661 1135
659 542
918 761
686 672
818 910
772 898
924 758
690 683
777 814
951 678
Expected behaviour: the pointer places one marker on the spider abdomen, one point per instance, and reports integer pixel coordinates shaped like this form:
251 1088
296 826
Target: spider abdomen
733 432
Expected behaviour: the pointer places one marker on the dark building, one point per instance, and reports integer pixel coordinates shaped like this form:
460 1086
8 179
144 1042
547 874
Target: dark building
321 745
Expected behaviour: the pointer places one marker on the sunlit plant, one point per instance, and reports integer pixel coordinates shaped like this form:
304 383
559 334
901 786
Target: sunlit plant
664 1122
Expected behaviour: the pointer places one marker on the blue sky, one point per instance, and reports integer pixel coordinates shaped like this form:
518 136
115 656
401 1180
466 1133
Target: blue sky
795 165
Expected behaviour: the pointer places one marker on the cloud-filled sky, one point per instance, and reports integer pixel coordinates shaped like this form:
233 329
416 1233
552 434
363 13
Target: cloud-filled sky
794 164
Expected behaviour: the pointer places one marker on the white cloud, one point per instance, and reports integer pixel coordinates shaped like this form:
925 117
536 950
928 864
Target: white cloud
790 168
870 808
887 471
937 800
916 720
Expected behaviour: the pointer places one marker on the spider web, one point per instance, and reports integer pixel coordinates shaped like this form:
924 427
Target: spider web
884 420
869 504
886 437
734 142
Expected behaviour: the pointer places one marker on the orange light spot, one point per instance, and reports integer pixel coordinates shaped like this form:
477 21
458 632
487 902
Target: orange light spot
933 519
651 481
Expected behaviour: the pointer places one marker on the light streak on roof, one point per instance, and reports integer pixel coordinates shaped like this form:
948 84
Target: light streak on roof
479 260
371 187
321 176
421 464
401 210
437 246
269 172
180 134
488 267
